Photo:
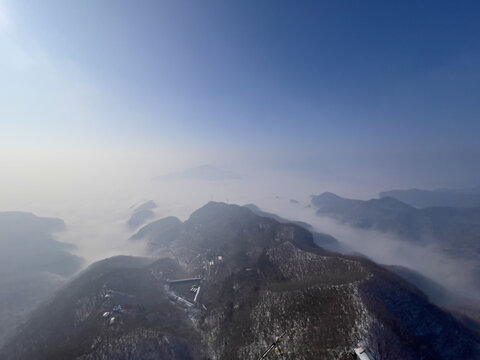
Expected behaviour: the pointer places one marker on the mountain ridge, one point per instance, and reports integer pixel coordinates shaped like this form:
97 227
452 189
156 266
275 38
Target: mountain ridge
259 278
430 198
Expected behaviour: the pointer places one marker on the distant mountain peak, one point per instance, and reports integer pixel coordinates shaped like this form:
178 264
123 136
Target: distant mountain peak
328 195
147 205
219 210
328 198
434 198
141 214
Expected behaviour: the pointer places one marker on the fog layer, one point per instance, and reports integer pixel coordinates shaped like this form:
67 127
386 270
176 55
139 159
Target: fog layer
94 190
455 274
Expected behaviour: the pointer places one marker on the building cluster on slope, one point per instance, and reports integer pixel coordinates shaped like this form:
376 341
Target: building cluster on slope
187 292
116 309
182 290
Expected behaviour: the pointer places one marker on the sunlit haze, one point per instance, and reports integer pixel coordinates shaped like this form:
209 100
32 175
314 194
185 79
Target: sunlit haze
108 105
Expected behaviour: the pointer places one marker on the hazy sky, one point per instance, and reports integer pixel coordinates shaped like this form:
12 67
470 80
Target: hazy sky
378 93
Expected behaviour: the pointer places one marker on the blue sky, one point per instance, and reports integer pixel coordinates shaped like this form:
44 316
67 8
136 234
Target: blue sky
346 88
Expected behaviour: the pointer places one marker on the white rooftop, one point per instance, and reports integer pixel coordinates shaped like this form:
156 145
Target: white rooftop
362 354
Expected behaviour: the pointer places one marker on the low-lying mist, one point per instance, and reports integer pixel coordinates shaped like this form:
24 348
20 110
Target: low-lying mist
455 274
95 196
94 189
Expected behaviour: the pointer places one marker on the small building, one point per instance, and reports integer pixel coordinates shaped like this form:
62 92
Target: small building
197 293
363 354
170 282
183 301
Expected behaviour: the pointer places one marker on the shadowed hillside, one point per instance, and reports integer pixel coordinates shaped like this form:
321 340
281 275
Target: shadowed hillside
256 278
32 264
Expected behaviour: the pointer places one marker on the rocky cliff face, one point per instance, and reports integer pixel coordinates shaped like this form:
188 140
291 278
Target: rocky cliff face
256 279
